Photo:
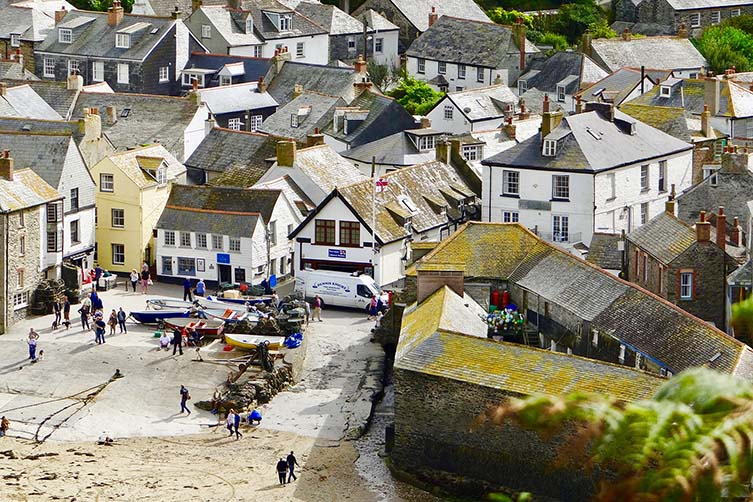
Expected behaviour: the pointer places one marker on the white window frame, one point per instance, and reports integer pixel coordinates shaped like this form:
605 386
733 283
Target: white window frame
168 238
48 67
113 248
716 17
206 31
662 185
426 143
665 91
124 78
695 20
510 216
522 87
286 22
98 71
65 35
461 72
378 45
560 228
686 285
73 65
226 80
234 124
472 152
711 171
255 122
645 176
480 74
257 51
22 245
550 148
420 65
15 40
161 175
185 239
561 186
122 41
201 241
106 182
164 73
300 50
442 68
117 217
621 357
20 300
511 183
218 242
448 112
561 93
644 213
734 13
235 245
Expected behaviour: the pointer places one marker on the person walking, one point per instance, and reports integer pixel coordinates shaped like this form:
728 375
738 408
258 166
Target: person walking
317 308
187 289
134 279
66 312
145 278
230 422
201 288
292 462
372 308
121 320
184 397
112 321
99 328
4 426
97 274
177 341
282 470
85 309
97 304
236 425
56 308
33 337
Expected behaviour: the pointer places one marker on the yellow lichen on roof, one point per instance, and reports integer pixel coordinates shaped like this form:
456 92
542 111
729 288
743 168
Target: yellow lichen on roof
27 189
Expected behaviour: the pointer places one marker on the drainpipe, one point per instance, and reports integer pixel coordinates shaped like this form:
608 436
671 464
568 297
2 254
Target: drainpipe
490 193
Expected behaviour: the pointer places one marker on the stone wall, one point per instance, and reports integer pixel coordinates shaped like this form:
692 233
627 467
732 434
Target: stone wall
27 50
408 32
436 441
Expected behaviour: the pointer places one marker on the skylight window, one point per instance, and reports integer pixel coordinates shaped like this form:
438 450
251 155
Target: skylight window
409 204
125 113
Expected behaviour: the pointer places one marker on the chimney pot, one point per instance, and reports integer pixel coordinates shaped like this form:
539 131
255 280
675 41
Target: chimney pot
721 229
3 88
6 166
546 103
112 115
433 16
115 13
702 216
262 85
60 14
735 233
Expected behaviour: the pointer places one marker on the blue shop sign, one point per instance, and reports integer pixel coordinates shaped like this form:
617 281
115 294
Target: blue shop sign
336 253
223 258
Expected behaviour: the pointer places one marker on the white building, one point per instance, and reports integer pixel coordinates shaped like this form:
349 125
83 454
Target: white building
225 235
597 171
425 202
479 109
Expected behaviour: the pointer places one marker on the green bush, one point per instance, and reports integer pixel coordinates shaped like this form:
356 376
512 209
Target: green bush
744 23
601 30
416 96
724 47
509 17
557 41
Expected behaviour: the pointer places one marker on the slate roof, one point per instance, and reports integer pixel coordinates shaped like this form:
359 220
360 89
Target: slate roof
236 224
616 86
15 71
232 26
26 190
314 111
375 21
735 100
396 150
151 118
733 191
325 168
648 29
253 68
590 142
96 38
229 199
417 11
546 74
661 53
330 80
165 8
670 120
44 152
462 41
637 318
32 24
706 4
53 93
386 116
236 98
23 101
224 150
429 344
483 103
292 191
664 237
603 251
265 28
128 163
332 19
431 188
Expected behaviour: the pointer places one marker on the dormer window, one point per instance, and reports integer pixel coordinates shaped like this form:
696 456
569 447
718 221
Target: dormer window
162 174
285 22
665 91
65 36
522 87
561 93
249 25
294 120
122 40
550 148
426 143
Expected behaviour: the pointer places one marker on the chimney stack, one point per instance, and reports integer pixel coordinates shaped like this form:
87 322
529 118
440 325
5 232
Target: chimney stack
703 228
6 166
549 120
523 114
60 14
736 233
626 35
429 281
3 88
433 17
262 85
115 13
209 124
585 43
721 229
75 82
578 104
360 65
519 29
671 204
682 32
112 115
711 93
509 128
425 123
442 152
286 153
315 139
363 85
297 90
195 5
176 13
706 122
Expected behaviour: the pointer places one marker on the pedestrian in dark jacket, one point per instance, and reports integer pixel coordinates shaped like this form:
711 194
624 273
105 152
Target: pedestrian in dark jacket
292 462
84 311
184 397
177 341
237 424
56 308
187 289
99 329
66 312
282 470
121 320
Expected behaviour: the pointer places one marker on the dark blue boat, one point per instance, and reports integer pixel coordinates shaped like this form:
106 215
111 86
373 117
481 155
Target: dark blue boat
155 316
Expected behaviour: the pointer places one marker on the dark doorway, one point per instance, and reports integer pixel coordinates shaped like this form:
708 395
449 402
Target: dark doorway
225 275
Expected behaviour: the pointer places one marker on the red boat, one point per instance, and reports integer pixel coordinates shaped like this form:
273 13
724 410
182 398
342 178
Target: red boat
204 327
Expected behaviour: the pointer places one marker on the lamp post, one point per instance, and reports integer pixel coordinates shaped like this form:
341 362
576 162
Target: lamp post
621 249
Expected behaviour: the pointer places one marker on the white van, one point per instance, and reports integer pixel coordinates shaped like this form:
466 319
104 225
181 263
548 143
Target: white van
336 288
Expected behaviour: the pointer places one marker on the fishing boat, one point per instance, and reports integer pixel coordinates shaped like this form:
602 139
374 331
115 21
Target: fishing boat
205 327
155 316
243 300
246 341
209 303
167 303
230 315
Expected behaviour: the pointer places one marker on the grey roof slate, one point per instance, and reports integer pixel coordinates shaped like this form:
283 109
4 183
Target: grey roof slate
15 71
603 251
166 8
236 98
44 153
483 103
22 101
236 225
330 80
664 237
417 11
96 38
396 150
474 43
546 74
253 67
386 116
151 119
32 24
314 111
329 17
616 86
53 93
588 141
376 21
219 198
265 28
706 4
733 191
224 149
659 53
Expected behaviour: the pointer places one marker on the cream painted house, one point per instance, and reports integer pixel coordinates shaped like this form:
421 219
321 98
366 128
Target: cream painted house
132 190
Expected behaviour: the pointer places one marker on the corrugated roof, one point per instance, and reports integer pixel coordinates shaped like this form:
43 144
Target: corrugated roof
26 190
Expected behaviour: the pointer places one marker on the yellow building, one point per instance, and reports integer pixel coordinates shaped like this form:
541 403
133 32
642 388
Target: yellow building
132 190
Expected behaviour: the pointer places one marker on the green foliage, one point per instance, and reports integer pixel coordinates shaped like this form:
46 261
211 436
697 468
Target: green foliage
416 96
601 30
742 320
557 41
100 5
509 17
692 442
744 23
724 47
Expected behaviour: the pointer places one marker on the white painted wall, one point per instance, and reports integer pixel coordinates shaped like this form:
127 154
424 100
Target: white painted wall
389 55
469 82
76 175
195 132
459 123
316 48
305 183
182 47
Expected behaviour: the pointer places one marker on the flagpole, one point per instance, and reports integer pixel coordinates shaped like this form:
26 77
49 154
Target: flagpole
373 216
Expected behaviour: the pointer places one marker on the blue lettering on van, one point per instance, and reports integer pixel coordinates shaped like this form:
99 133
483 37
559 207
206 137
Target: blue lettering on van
336 253
330 285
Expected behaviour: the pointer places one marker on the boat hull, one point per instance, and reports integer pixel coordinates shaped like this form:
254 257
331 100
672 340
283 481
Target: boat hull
155 316
205 327
245 341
